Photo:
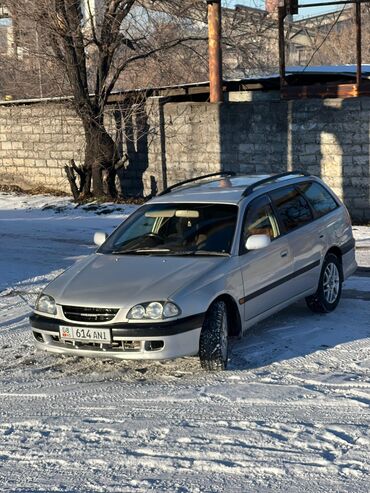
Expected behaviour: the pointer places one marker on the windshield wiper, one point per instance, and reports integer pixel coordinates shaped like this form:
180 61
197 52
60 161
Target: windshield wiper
201 252
167 251
140 251
208 252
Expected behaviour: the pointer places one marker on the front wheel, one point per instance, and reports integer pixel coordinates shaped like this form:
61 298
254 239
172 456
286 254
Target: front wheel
329 291
213 344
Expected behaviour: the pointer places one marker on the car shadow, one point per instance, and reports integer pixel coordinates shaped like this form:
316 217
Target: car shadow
296 333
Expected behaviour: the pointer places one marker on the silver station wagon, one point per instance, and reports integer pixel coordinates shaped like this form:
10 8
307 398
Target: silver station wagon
198 264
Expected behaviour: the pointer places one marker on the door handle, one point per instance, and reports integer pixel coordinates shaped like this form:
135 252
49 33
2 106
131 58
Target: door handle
322 236
284 253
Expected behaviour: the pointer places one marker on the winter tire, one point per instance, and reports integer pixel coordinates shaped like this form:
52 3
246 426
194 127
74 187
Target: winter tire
329 291
213 344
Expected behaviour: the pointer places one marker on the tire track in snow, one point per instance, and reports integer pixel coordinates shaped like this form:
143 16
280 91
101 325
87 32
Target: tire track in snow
284 418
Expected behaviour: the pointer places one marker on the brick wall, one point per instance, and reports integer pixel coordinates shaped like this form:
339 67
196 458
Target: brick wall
252 133
329 138
36 141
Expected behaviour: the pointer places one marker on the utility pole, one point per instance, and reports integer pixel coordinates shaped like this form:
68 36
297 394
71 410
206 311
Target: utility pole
39 63
281 19
357 9
214 51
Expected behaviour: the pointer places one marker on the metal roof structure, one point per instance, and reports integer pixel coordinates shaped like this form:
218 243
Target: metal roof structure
299 77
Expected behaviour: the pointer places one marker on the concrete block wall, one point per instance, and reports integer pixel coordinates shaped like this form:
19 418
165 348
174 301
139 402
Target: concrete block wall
184 142
36 141
173 141
329 138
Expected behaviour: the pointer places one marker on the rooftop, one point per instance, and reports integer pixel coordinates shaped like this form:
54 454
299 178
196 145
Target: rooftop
296 76
226 189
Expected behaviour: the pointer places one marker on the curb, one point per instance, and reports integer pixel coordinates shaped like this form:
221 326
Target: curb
362 271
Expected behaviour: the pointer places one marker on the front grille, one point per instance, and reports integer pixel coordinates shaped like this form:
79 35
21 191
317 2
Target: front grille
124 346
84 314
93 345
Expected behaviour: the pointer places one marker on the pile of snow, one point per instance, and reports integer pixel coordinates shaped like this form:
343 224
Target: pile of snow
362 236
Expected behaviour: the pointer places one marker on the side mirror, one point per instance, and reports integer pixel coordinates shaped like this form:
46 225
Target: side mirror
256 242
100 237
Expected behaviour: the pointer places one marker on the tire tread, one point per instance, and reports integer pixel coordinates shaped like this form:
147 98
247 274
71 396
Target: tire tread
210 353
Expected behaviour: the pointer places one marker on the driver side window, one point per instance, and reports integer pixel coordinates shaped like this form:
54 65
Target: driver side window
259 220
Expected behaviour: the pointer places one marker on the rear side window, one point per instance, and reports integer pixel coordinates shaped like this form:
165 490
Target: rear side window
320 199
294 210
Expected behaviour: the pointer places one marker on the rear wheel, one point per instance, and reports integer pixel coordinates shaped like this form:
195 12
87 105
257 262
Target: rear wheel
329 291
213 344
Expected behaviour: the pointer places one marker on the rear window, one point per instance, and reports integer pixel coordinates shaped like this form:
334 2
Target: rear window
320 199
294 210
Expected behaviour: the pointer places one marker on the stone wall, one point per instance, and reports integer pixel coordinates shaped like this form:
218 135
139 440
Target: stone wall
329 138
170 141
36 141
184 142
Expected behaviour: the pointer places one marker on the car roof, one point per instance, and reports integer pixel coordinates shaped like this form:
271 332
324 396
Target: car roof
225 189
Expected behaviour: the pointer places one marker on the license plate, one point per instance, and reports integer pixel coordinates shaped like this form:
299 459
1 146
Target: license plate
102 336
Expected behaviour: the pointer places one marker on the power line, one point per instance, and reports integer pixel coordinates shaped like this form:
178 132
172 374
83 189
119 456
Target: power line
326 37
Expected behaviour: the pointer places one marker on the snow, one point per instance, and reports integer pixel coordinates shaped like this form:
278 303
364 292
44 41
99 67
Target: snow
329 69
291 414
362 235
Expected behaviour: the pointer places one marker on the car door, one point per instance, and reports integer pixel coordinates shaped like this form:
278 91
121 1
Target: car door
265 272
306 236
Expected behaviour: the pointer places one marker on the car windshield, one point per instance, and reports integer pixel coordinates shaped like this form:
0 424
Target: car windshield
175 229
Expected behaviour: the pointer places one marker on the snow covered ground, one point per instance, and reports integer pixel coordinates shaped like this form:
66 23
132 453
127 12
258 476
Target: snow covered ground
362 235
292 413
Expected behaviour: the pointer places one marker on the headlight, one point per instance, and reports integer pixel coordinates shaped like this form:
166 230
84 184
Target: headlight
137 312
46 304
155 310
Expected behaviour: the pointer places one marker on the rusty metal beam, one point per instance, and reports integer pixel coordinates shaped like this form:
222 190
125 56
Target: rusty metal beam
358 44
328 90
281 18
214 49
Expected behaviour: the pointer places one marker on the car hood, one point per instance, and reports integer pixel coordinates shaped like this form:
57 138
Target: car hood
122 281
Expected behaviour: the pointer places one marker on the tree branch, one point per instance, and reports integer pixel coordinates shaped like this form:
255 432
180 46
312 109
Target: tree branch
142 56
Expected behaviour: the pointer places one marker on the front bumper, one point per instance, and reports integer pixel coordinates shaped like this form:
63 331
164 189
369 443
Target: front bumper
156 341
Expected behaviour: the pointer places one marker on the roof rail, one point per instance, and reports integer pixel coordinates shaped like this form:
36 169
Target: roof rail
220 173
250 189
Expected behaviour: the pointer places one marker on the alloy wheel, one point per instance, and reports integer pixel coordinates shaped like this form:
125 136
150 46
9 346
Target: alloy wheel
331 282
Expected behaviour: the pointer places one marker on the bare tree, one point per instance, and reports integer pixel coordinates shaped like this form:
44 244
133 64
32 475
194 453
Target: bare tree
89 48
250 39
95 48
331 39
